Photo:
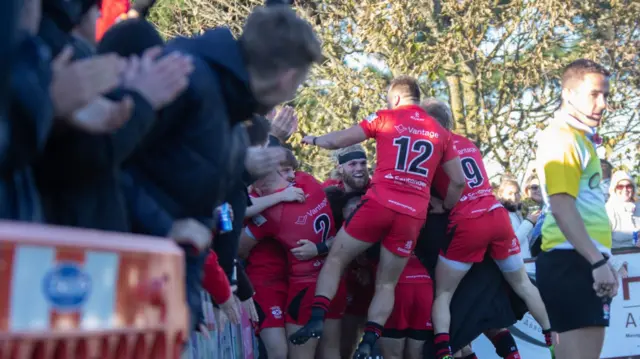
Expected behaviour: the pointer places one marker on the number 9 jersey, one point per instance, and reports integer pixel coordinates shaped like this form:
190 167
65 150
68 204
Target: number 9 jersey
477 197
410 146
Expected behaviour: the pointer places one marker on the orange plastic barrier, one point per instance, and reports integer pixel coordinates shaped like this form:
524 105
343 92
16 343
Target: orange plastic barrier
72 293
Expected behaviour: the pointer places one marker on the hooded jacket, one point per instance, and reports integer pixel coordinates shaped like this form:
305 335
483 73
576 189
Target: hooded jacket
193 158
624 216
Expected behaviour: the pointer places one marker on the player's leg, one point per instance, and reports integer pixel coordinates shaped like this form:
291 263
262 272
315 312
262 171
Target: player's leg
576 313
505 250
467 246
420 329
584 343
392 348
397 246
275 342
504 343
465 353
413 349
352 327
270 302
367 223
298 312
394 335
329 347
355 316
302 351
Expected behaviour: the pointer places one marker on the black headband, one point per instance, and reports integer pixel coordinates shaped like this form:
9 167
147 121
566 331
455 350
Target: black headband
354 155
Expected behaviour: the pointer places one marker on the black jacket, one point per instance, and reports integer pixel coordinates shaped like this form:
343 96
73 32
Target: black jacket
25 126
195 152
193 158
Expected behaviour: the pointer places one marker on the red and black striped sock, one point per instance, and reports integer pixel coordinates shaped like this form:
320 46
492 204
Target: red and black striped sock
505 345
372 331
441 344
320 307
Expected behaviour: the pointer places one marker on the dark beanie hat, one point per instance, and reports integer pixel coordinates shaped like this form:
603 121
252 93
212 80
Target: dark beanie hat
130 37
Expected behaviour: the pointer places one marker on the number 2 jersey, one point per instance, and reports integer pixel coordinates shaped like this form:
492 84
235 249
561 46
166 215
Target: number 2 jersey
290 222
410 146
477 197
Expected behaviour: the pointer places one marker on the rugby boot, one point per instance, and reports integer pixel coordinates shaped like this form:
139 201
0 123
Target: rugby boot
313 329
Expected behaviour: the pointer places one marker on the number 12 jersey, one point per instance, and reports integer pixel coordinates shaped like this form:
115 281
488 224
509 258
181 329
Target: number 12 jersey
410 146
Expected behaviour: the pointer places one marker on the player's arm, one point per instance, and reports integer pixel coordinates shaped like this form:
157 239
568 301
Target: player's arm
259 204
453 169
562 171
340 139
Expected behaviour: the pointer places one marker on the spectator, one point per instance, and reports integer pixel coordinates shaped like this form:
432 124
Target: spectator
509 195
532 194
607 169
623 210
196 155
110 11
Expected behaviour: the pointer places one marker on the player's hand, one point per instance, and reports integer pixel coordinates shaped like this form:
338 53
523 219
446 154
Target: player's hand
292 194
231 309
533 217
308 140
605 281
250 307
262 161
284 124
102 115
191 232
305 251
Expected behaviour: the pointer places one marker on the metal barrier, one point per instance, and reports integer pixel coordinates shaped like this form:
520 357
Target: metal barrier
229 342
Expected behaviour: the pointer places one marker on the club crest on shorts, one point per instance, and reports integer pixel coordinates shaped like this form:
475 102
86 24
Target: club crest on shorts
606 311
276 312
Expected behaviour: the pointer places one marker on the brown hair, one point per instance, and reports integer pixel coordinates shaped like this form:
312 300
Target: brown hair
290 160
575 72
406 87
439 111
274 38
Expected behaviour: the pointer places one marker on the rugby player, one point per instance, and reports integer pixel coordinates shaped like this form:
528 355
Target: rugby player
477 224
410 146
573 273
288 223
267 267
353 171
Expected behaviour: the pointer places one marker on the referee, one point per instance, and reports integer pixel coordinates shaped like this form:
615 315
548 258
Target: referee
573 274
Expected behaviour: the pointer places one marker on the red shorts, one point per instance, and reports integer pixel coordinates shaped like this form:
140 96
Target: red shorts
271 301
411 315
372 222
300 300
359 297
472 237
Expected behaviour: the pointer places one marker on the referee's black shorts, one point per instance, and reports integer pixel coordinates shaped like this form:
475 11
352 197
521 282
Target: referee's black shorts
565 281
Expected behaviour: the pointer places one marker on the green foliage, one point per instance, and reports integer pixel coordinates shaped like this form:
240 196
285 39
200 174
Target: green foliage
495 62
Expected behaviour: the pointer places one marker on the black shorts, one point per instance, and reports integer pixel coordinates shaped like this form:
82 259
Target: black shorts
565 281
